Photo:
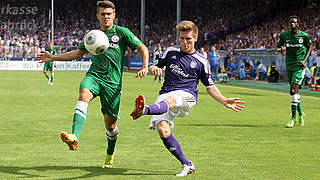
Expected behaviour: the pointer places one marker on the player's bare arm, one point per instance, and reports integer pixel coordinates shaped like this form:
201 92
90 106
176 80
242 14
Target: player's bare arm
232 103
156 71
45 56
144 52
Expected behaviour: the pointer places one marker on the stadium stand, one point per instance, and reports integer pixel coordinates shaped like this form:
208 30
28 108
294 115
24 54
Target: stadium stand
229 24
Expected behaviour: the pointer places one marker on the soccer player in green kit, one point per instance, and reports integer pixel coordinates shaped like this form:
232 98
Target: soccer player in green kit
48 66
297 45
104 78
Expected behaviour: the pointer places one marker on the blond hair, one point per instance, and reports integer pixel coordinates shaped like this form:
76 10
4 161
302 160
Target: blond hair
188 26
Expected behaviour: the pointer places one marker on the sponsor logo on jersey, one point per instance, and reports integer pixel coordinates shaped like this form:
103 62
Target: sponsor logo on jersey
175 68
293 45
300 40
193 64
172 149
174 57
113 45
115 38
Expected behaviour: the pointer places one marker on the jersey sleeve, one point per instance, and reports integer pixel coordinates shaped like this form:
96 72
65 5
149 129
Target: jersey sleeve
281 40
54 52
206 76
82 47
131 40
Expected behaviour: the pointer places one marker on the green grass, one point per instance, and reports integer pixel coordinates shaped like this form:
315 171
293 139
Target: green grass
252 144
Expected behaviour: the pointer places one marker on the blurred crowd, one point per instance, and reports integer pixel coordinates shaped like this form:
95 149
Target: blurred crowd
226 24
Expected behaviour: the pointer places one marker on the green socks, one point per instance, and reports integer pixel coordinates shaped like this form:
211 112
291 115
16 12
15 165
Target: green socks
79 117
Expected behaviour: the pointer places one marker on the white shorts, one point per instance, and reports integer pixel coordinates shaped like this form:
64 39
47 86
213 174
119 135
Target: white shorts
184 103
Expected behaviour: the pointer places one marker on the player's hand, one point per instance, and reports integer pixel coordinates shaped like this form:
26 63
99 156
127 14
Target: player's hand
44 56
234 104
142 73
156 71
281 50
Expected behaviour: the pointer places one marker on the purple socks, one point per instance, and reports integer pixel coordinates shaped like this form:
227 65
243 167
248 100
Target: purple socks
156 109
173 146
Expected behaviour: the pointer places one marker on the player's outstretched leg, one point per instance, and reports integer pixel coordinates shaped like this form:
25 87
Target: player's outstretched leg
186 169
140 106
70 139
153 109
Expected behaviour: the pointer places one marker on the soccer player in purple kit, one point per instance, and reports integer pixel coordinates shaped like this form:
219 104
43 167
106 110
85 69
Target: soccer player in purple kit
184 68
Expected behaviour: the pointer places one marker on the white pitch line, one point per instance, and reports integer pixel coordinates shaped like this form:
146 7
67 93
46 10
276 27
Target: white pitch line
275 92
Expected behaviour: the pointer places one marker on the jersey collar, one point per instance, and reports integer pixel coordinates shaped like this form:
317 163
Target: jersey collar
113 29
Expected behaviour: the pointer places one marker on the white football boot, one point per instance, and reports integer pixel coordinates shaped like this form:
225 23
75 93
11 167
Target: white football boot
185 170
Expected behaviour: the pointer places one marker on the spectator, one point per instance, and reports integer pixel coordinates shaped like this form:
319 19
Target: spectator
242 73
230 70
261 71
314 71
203 52
273 74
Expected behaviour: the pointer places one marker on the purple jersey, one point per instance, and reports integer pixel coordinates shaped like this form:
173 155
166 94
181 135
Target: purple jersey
183 71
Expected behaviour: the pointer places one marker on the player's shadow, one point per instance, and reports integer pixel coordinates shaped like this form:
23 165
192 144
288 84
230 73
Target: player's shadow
92 171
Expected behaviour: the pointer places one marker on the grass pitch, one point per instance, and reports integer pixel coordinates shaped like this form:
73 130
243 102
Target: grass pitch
252 144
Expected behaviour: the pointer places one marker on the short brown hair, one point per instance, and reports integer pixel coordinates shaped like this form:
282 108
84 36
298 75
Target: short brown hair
105 4
188 26
294 17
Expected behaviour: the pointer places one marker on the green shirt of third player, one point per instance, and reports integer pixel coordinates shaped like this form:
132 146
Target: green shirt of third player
296 45
48 66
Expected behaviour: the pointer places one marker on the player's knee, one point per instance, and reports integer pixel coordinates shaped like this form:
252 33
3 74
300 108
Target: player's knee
110 127
85 95
110 122
171 101
163 129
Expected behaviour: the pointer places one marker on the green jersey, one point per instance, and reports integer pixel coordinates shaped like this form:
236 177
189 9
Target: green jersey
296 45
53 52
108 67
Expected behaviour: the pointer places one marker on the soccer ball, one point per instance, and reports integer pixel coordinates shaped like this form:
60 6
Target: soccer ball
96 42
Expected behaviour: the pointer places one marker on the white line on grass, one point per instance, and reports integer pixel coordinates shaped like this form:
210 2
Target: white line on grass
275 92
